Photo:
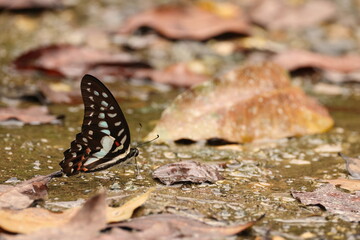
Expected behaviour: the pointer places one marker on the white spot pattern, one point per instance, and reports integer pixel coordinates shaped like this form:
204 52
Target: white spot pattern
96 93
105 104
101 115
103 124
112 115
104 95
117 123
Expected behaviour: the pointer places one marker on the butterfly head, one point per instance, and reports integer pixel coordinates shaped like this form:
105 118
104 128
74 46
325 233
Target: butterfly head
134 152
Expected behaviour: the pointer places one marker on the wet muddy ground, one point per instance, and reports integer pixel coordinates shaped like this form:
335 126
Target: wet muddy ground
258 176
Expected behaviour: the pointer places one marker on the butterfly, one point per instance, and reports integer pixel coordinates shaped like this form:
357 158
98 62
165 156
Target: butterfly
104 140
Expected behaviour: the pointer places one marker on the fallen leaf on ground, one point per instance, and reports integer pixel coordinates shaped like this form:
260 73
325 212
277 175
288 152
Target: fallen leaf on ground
34 115
126 210
29 4
280 14
187 171
31 220
346 205
25 193
189 22
179 74
71 61
349 184
295 59
85 224
352 165
170 226
255 102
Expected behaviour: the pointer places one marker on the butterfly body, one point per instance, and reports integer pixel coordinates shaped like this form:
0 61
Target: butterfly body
104 140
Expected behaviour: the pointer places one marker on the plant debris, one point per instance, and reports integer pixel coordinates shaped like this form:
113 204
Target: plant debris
187 171
346 205
34 115
281 14
22 195
348 184
72 61
170 226
247 104
32 220
196 22
295 59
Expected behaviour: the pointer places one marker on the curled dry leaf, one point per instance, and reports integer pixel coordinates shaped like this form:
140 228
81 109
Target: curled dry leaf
279 14
170 226
34 115
85 224
189 22
187 171
346 205
247 104
29 4
295 59
25 193
70 61
125 211
352 166
31 220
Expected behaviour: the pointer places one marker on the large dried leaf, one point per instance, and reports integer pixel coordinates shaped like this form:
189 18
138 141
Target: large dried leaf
352 166
169 226
187 171
25 193
249 103
189 22
346 205
29 4
34 115
85 224
349 184
31 220
279 14
69 60
125 211
295 59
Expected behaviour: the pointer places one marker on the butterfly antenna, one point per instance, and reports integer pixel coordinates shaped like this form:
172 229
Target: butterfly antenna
147 142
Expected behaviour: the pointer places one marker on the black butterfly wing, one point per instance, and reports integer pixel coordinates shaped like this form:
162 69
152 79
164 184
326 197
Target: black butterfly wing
105 137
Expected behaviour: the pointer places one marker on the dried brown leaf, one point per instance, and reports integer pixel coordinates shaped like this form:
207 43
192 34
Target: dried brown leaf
349 184
25 193
85 224
188 22
352 165
70 61
187 171
31 220
34 115
279 14
125 211
247 104
295 59
346 205
169 226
